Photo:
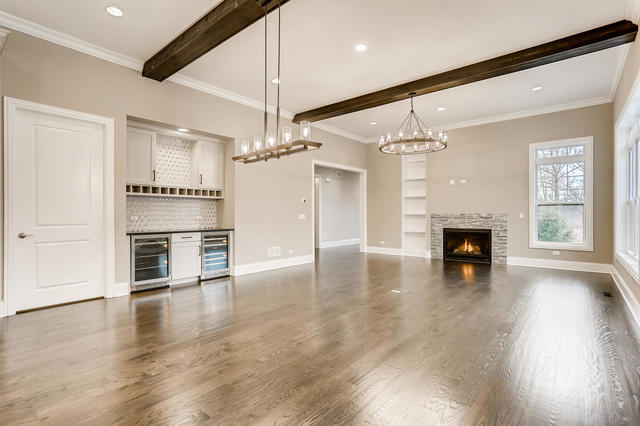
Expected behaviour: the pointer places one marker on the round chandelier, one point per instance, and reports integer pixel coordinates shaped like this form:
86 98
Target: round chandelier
413 137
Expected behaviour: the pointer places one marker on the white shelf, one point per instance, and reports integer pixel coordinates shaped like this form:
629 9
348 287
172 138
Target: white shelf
414 206
173 192
414 214
407 231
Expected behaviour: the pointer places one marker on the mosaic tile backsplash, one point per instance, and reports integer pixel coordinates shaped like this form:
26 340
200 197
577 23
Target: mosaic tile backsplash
150 214
173 161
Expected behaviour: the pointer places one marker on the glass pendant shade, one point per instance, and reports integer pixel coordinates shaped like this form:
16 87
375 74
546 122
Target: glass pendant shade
305 130
413 137
286 136
257 143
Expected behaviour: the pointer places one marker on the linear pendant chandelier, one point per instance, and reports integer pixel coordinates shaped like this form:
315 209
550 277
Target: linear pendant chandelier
413 137
279 143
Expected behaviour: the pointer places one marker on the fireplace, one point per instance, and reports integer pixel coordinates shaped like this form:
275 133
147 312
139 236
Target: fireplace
467 245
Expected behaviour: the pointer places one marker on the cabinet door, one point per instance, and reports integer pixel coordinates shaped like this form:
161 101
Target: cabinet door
211 162
185 261
141 156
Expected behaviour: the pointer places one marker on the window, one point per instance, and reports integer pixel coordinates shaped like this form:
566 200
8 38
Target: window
560 193
632 202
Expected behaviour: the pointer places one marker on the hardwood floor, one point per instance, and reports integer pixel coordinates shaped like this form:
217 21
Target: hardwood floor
332 343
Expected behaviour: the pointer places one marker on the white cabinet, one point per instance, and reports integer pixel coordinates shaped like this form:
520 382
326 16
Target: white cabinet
186 261
209 162
141 156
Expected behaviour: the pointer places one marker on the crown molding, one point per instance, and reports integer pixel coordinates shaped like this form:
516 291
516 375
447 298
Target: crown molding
3 38
36 30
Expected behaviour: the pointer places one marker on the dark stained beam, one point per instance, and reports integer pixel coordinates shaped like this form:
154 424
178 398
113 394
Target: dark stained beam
601 38
219 24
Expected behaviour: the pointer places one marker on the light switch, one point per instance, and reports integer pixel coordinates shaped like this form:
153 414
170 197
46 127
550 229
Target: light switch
302 216
556 253
452 181
463 181
521 215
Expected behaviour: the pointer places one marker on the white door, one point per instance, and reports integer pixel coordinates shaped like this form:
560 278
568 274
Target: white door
211 162
55 207
141 156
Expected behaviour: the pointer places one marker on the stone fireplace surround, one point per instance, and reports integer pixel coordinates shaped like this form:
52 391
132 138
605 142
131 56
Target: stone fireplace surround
497 222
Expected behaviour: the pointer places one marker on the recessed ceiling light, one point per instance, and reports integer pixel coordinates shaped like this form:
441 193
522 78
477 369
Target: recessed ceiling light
114 11
183 130
361 47
372 123
395 291
441 109
275 81
536 88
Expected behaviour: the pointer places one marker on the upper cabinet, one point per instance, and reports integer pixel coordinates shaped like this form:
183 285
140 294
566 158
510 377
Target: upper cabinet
209 162
141 156
169 164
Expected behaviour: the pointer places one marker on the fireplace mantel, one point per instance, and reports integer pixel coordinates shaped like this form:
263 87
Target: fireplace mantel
497 222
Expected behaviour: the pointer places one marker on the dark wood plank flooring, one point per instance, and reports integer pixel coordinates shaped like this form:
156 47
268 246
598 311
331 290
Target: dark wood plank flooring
331 343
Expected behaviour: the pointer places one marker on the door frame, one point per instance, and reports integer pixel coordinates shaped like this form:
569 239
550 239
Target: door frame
363 201
11 107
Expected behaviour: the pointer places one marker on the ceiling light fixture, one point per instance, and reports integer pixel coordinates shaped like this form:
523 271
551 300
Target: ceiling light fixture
440 109
372 123
361 47
278 143
536 88
114 11
183 130
413 137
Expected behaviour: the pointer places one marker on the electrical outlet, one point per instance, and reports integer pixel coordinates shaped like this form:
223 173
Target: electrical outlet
290 251
339 173
452 181
556 253
521 215
463 181
302 216
273 251
382 243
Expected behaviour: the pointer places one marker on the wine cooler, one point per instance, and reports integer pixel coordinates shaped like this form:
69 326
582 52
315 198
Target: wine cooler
150 261
215 254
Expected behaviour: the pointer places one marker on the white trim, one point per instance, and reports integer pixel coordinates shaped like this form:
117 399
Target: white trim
339 243
384 250
426 254
119 290
3 38
617 74
527 113
11 106
62 39
269 265
363 201
628 263
567 265
587 245
627 295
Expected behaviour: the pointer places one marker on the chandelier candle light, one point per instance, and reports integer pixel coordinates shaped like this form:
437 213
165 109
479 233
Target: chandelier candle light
413 137
271 144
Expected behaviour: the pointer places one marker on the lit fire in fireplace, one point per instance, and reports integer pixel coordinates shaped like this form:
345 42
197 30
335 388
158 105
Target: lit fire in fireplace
467 248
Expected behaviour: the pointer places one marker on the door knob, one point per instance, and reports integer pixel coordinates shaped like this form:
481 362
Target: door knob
23 235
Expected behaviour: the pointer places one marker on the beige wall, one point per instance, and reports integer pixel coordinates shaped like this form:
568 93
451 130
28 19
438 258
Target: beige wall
493 158
384 199
43 72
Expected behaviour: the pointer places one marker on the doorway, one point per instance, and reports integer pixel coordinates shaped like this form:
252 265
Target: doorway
339 206
58 204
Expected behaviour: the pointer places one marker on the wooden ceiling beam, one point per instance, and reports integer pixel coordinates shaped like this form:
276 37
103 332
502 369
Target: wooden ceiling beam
219 24
605 37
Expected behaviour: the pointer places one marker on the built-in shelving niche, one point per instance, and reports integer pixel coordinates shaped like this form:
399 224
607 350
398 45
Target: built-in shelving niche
173 191
414 204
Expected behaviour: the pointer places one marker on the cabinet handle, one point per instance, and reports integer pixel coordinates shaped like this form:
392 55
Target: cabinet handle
200 178
154 175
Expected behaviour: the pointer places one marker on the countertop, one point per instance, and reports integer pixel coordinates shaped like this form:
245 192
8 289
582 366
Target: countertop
179 232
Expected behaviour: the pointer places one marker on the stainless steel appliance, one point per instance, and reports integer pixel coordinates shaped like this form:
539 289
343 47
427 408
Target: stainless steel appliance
216 253
150 256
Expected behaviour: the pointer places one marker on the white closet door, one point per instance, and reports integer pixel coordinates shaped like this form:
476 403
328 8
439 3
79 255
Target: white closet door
55 196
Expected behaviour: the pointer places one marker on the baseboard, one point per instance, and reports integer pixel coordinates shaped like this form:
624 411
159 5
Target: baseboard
339 243
3 313
632 303
568 265
384 250
118 290
269 265
425 254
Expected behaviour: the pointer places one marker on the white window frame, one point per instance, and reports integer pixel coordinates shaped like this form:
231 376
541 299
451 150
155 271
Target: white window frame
587 244
631 203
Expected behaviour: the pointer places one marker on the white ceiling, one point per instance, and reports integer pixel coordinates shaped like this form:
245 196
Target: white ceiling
406 39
